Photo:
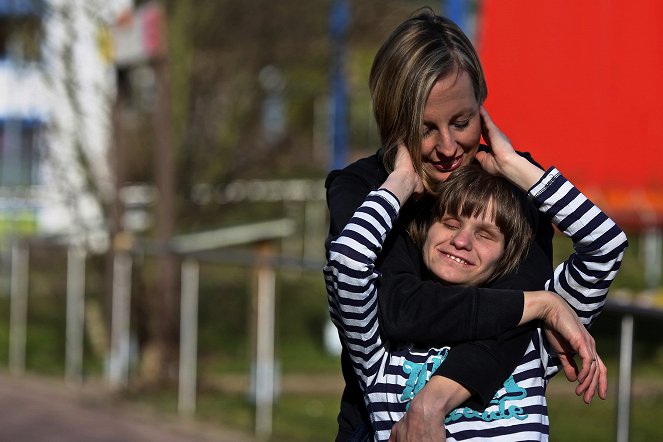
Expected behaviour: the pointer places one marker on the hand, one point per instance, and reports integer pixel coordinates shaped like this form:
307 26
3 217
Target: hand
424 420
403 163
404 180
502 152
503 160
413 427
567 335
596 382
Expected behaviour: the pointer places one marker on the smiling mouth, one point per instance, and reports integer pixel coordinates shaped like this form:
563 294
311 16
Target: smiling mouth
457 259
448 166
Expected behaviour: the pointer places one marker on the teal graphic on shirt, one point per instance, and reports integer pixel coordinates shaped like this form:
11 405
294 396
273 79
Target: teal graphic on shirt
504 410
418 377
418 374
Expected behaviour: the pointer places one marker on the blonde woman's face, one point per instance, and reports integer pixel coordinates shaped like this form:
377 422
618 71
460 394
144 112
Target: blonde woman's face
451 126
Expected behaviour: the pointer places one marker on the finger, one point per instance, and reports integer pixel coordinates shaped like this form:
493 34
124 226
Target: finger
485 116
485 121
584 377
585 386
488 125
569 366
485 161
402 155
494 137
593 386
587 353
585 380
393 437
603 378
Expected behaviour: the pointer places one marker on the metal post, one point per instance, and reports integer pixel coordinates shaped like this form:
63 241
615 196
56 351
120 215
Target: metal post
264 371
314 219
118 367
164 162
455 10
625 364
75 315
18 308
338 23
186 404
652 244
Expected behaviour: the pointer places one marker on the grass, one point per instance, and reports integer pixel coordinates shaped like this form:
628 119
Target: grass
296 417
312 417
572 419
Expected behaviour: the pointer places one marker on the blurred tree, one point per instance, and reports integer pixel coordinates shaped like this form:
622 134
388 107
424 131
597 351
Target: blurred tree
76 151
218 50
249 87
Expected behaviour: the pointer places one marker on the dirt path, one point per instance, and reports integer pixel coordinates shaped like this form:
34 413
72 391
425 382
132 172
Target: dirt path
39 410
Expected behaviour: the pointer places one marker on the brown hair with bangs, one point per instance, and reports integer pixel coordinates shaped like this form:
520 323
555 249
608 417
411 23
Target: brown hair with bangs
472 192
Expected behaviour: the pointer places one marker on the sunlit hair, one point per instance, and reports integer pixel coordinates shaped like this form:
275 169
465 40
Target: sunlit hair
421 50
471 192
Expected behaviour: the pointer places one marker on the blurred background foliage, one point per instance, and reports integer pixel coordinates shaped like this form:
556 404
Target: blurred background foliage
219 51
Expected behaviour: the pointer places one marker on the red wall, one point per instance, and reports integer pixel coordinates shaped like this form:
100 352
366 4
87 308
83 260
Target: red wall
579 84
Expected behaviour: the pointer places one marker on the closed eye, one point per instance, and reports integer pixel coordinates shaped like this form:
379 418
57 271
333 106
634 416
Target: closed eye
489 234
428 130
462 124
450 223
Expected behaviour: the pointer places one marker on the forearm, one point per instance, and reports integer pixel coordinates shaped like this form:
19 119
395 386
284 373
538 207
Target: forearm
424 419
429 313
543 305
584 278
440 396
483 366
538 305
521 172
401 183
350 277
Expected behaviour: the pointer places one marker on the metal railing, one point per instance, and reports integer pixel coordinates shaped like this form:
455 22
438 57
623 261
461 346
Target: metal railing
265 262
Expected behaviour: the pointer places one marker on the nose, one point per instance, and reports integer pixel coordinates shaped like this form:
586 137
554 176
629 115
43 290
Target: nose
462 240
445 144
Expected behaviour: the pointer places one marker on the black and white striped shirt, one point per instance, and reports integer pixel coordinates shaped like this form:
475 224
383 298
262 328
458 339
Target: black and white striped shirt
390 377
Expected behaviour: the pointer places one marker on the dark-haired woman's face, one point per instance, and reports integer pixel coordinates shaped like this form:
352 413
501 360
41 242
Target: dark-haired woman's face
463 250
452 126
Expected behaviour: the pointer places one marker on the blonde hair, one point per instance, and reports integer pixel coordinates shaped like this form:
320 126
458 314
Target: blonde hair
418 52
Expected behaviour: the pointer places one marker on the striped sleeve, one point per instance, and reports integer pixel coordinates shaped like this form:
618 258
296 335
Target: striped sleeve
584 278
350 277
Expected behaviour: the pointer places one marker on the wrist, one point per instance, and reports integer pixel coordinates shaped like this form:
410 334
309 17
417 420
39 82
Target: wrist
447 395
537 305
521 172
401 183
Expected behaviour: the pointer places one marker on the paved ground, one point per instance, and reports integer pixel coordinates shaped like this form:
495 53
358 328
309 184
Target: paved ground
43 410
37 410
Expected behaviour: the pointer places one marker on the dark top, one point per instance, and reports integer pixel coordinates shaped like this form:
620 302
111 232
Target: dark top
482 321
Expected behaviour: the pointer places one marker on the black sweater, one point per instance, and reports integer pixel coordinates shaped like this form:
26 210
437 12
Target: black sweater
482 321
